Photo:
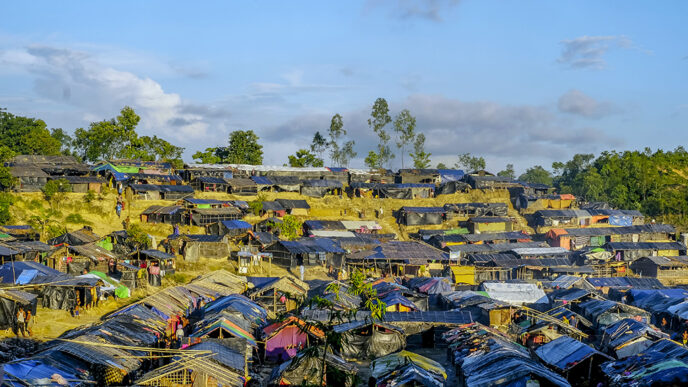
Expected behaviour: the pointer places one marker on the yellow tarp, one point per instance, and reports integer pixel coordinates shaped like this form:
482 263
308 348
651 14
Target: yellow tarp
464 274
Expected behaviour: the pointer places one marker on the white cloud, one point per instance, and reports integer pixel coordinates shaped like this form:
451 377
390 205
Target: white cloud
589 51
576 102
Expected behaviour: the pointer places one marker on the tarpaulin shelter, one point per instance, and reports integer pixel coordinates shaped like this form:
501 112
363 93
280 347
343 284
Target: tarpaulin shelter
306 251
430 285
284 339
210 184
452 187
320 188
464 210
252 311
76 238
294 207
606 312
195 246
568 355
161 192
20 232
486 357
480 224
665 362
162 214
630 251
242 186
223 282
388 367
672 270
233 228
398 257
272 208
10 302
413 216
369 340
515 293
306 368
66 293
278 294
561 217
629 337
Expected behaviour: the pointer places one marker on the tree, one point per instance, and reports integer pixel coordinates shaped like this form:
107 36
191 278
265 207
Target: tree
7 181
54 190
537 174
347 153
319 145
154 149
65 140
441 166
421 159
508 172
304 158
107 139
244 148
26 136
6 202
379 118
372 160
336 132
470 162
405 127
290 228
212 156
137 237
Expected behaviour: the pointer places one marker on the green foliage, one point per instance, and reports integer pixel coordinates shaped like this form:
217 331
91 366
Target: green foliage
7 181
47 224
90 196
290 228
117 138
470 163
372 160
54 190
421 159
379 118
257 205
211 156
405 127
6 201
27 136
76 218
441 166
304 158
319 145
537 174
244 148
654 183
359 287
508 172
137 237
65 140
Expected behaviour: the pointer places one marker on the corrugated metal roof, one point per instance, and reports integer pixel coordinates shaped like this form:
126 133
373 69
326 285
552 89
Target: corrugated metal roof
236 224
646 246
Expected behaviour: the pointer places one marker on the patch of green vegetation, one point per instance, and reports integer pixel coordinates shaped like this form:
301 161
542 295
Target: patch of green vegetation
76 218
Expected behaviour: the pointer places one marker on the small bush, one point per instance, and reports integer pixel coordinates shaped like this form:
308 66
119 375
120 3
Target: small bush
34 204
90 196
76 219
54 188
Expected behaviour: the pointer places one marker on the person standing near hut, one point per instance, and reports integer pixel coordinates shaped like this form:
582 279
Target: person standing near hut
21 321
29 323
118 208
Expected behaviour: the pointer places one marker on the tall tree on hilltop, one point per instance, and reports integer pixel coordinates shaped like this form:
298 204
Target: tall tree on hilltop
508 172
244 148
26 136
319 145
405 127
379 118
421 159
304 158
339 153
537 174
470 163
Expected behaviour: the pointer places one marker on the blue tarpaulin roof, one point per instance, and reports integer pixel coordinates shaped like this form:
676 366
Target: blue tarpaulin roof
162 188
236 224
11 271
565 352
261 180
205 201
157 254
211 180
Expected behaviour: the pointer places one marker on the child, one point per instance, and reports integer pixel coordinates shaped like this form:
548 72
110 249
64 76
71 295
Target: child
76 310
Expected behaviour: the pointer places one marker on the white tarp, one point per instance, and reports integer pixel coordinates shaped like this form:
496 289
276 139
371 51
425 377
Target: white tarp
515 293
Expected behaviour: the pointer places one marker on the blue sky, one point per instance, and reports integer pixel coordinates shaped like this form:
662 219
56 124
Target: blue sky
516 82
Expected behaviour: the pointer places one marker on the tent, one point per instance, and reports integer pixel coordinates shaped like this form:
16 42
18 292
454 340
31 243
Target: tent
369 340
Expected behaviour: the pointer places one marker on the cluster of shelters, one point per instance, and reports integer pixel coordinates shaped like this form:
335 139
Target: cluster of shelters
32 172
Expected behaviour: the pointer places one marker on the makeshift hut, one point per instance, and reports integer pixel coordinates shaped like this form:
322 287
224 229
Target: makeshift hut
369 340
515 293
163 214
161 191
285 338
278 295
629 337
82 184
307 251
29 178
406 368
20 232
10 302
209 184
480 224
555 218
577 238
572 358
271 209
320 188
399 258
76 237
192 247
414 216
664 362
242 186
629 251
233 228
295 207
669 270
306 368
606 312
